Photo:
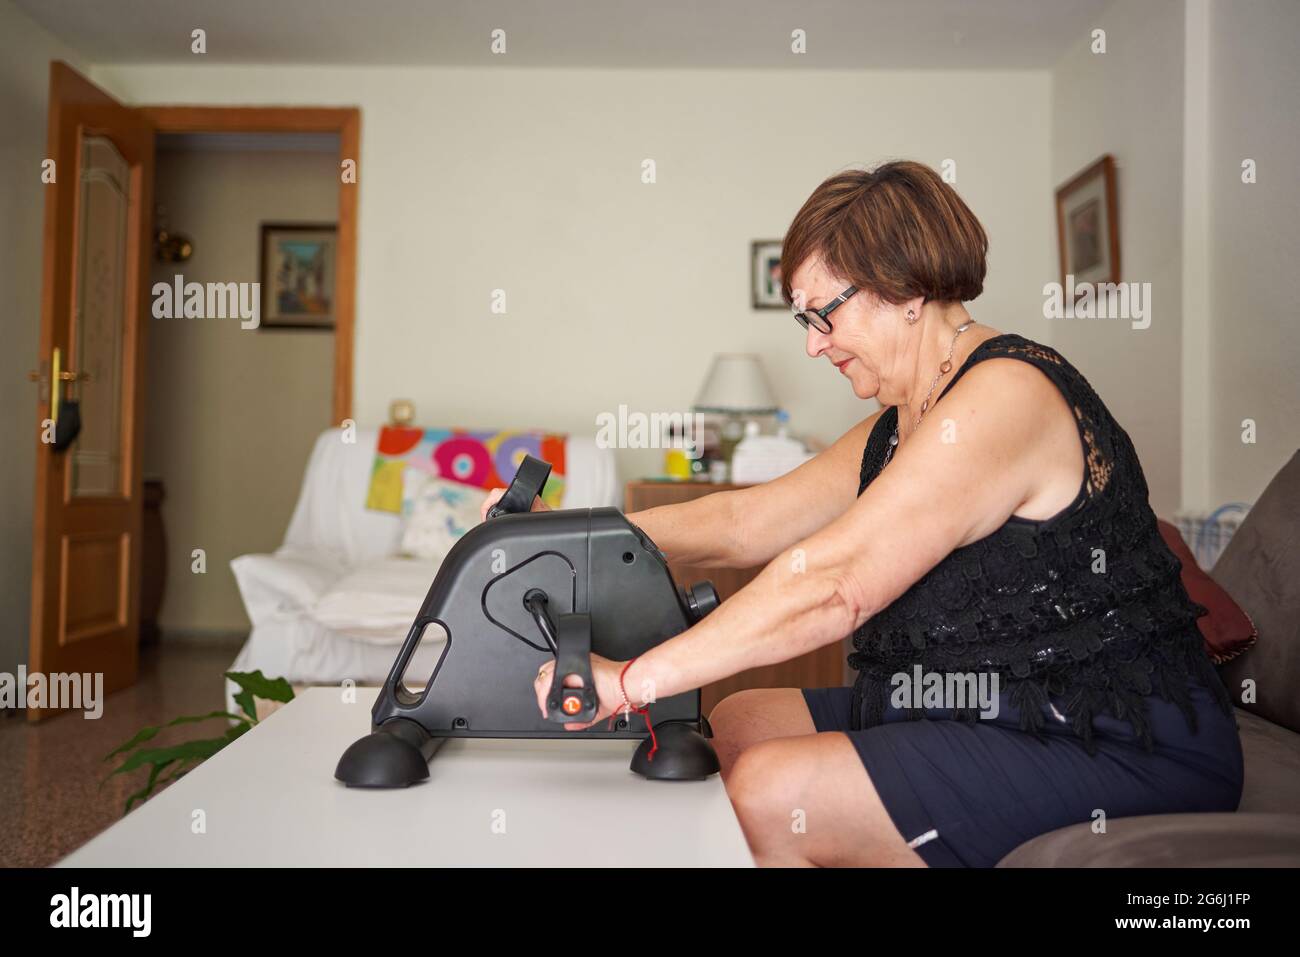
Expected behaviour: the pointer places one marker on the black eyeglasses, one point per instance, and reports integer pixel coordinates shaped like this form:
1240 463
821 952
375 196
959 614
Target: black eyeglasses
817 317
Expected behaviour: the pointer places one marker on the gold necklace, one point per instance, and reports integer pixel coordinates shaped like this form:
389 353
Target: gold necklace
944 368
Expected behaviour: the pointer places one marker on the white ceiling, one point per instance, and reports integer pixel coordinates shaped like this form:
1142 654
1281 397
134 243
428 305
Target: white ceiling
843 34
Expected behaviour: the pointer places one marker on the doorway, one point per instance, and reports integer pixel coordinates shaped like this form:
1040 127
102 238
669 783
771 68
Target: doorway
345 124
240 376
96 317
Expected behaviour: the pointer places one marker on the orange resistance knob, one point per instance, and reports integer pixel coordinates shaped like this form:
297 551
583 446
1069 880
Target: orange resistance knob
572 704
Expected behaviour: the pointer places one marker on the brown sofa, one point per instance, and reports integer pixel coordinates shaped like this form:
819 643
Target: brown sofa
1260 569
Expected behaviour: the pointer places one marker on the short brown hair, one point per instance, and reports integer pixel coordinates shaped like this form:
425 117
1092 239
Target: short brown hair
897 230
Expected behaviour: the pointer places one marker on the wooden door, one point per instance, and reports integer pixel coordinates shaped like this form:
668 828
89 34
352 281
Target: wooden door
86 542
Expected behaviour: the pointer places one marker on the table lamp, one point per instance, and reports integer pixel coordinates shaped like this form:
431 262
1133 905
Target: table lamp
735 388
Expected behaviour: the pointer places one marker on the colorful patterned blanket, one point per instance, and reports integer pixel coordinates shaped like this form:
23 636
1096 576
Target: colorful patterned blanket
485 459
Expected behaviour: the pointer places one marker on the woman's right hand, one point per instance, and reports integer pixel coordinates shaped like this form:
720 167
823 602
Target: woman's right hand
494 496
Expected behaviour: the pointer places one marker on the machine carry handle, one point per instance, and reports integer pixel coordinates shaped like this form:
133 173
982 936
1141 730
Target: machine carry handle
530 478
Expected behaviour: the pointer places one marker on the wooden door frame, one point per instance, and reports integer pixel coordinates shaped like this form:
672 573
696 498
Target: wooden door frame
346 122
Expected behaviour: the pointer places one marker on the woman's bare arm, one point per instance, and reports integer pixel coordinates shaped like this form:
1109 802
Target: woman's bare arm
748 527
1015 442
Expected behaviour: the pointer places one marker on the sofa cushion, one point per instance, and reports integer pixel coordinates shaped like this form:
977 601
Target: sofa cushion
1271 792
1271 755
1168 840
483 458
330 514
1260 568
378 601
288 582
1225 628
436 513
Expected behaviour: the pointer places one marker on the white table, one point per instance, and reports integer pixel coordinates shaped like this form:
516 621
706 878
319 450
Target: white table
270 799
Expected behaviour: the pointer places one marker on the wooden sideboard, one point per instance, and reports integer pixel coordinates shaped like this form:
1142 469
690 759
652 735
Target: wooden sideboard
824 667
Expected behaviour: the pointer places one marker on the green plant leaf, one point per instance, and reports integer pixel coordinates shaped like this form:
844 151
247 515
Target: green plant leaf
269 689
245 701
181 758
144 792
181 768
236 730
201 750
147 734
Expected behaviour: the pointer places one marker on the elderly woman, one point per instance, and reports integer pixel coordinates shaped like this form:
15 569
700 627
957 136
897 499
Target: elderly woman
990 521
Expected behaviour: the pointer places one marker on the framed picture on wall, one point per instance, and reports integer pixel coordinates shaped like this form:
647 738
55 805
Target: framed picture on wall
297 275
765 274
1087 225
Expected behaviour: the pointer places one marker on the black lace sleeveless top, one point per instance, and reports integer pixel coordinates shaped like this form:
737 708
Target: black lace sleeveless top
1085 610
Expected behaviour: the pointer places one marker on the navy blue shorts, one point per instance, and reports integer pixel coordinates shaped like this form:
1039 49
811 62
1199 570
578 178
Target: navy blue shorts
967 794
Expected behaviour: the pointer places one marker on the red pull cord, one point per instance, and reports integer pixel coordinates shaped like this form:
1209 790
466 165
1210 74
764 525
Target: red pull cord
644 711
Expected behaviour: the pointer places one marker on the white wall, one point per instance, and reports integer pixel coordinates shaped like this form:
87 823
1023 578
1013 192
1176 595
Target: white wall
232 413
1255 238
1129 102
25 54
619 292
1184 94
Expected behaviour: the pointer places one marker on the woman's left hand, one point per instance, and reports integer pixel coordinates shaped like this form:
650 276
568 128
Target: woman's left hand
608 695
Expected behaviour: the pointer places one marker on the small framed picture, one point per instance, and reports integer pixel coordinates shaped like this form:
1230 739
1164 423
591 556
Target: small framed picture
765 275
297 274
1087 225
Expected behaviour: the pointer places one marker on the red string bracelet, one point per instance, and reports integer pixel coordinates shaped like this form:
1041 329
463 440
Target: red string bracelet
644 710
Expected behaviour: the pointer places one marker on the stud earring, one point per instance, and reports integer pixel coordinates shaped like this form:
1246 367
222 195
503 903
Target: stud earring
911 317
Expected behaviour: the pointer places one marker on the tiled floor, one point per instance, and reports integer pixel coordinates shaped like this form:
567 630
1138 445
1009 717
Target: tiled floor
51 801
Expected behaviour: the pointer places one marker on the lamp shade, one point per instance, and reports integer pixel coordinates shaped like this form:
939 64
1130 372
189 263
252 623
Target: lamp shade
736 385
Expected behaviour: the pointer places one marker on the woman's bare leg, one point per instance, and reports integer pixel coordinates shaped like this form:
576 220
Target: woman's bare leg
808 801
802 798
749 717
